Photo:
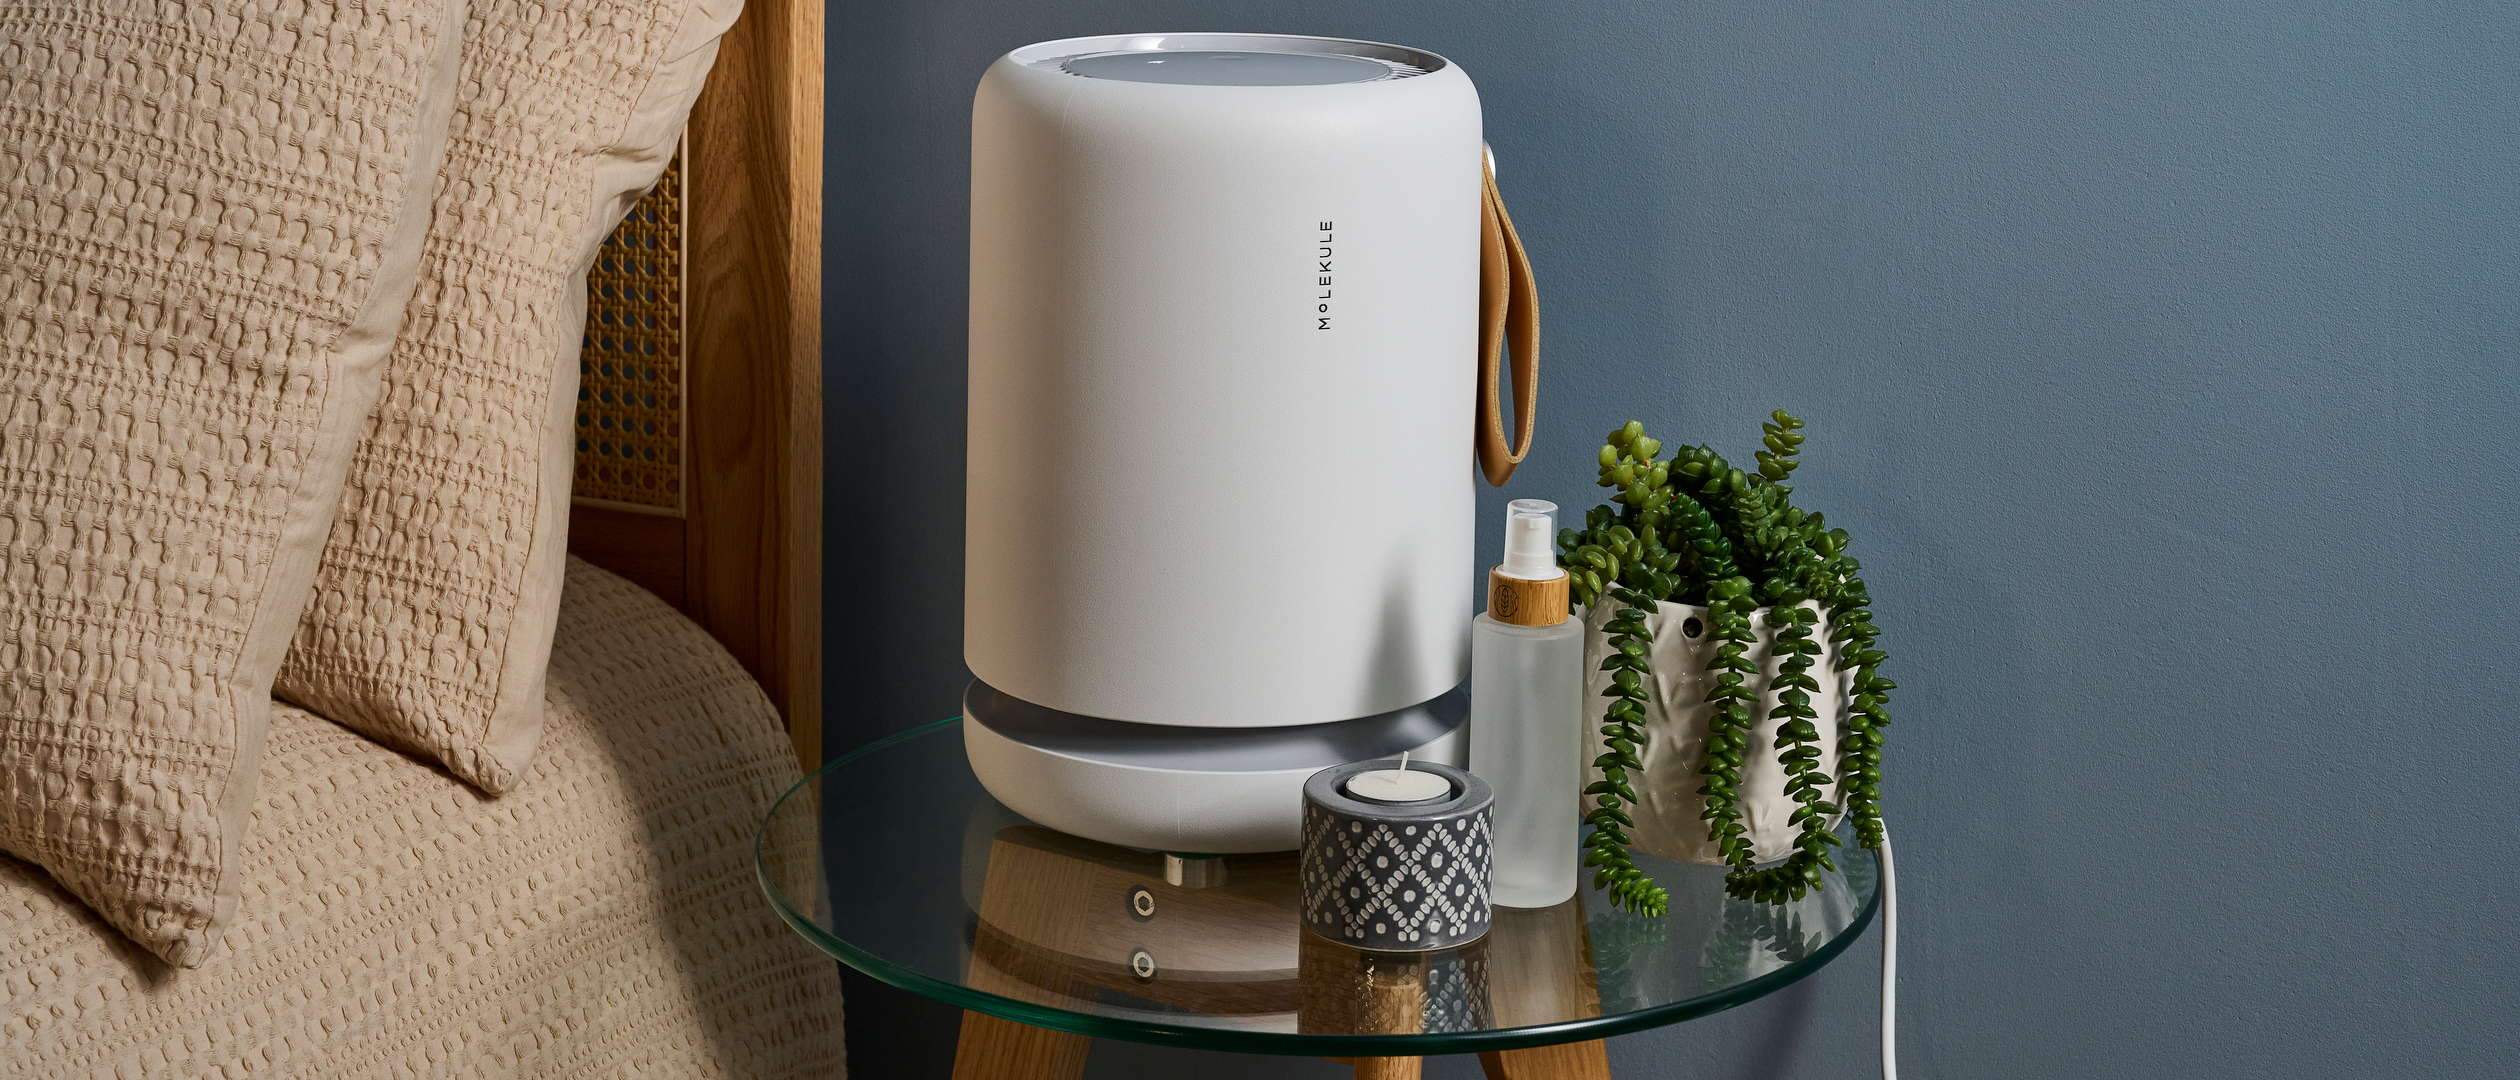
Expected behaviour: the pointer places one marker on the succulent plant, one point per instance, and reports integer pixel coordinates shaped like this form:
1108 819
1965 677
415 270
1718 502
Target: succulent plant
1696 530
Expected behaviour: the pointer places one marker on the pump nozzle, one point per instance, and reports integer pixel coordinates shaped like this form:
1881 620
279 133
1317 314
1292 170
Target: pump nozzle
1530 525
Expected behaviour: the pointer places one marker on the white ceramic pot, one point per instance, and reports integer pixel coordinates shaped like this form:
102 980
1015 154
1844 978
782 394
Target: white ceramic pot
1667 814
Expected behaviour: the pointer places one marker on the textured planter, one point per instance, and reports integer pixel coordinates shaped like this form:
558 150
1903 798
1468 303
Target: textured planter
1668 821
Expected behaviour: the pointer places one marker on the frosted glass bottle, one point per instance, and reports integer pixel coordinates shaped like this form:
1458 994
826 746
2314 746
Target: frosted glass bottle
1527 714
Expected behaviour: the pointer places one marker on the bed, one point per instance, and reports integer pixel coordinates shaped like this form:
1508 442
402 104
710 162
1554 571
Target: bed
603 918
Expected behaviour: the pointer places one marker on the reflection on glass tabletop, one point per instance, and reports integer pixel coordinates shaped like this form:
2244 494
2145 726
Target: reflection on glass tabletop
925 882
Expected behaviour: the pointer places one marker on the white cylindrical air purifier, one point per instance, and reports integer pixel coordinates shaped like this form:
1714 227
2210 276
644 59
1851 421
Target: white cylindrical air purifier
1224 336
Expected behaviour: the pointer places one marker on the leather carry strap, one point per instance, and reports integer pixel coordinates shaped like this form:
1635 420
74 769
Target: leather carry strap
1509 317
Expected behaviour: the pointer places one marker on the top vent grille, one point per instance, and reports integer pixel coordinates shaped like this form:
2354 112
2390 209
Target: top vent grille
1211 68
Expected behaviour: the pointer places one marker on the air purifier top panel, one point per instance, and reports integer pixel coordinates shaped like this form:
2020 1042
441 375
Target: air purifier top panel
1208 68
1229 59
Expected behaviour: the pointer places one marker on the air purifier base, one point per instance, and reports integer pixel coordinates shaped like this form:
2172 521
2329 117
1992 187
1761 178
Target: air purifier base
1183 789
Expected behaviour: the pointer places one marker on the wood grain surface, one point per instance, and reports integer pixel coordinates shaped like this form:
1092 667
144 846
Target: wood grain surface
1589 1060
747 561
646 548
995 1049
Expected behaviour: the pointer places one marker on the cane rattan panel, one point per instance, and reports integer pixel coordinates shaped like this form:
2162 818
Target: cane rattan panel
630 370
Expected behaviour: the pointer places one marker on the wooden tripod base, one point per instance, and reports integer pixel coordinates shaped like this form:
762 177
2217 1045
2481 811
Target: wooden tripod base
995 1049
1063 921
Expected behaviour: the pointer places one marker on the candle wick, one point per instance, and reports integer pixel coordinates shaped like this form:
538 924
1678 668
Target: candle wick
1404 761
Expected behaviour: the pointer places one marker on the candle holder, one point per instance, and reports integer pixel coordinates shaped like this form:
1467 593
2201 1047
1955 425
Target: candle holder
1398 877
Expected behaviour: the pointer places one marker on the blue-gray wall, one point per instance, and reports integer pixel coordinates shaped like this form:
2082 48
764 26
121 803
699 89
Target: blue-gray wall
2164 359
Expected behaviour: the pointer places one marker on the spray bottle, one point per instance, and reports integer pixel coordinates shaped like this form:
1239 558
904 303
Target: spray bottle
1527 712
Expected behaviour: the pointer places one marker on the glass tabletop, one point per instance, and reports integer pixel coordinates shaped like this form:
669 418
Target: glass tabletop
895 860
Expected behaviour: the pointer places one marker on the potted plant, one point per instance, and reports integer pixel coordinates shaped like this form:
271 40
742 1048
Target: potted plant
1737 660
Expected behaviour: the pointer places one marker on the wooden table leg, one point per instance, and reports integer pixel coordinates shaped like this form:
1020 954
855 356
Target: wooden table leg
1540 966
1588 1060
996 1049
1384 1068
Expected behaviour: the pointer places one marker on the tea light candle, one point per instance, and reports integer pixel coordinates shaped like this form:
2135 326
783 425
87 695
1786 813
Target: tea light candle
1399 785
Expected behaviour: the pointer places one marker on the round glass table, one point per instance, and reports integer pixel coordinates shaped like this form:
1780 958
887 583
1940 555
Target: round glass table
895 860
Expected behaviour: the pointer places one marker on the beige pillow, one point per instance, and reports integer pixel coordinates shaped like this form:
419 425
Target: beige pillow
210 219
434 610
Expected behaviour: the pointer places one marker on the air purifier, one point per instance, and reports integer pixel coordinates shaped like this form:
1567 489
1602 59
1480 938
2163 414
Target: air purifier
1225 324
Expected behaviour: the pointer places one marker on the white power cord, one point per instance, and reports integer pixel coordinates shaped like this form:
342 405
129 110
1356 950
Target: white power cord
1889 962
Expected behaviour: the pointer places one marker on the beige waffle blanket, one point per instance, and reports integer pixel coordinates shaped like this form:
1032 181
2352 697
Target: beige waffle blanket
600 920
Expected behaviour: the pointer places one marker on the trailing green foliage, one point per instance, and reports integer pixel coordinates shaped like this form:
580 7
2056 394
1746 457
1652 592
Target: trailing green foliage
1697 530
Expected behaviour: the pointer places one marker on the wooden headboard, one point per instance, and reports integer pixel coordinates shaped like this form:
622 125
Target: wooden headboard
701 422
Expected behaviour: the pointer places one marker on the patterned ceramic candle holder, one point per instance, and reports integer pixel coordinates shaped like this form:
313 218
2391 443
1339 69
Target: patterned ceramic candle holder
1401 877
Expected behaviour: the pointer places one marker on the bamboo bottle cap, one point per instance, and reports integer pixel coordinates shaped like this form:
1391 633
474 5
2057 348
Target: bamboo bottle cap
1527 601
